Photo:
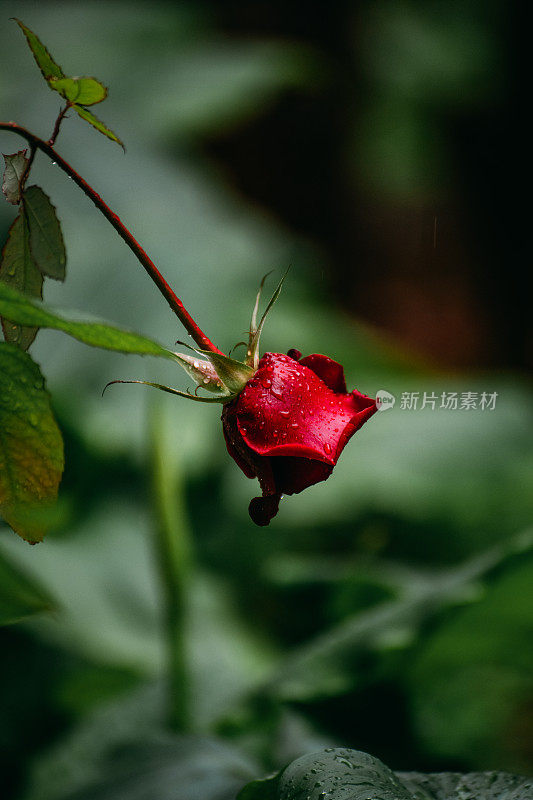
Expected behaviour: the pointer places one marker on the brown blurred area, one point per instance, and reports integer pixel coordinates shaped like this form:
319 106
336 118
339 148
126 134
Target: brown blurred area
403 163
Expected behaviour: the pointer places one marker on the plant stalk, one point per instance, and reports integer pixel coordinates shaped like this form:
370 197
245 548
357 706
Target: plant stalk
203 342
174 562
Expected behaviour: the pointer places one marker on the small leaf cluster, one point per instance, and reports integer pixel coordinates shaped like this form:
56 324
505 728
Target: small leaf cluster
31 445
79 92
34 250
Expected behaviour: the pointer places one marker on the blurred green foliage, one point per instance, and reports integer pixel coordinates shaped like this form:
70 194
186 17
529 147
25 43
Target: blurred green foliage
388 609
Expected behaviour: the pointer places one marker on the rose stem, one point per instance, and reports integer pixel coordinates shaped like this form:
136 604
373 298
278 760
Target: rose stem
174 302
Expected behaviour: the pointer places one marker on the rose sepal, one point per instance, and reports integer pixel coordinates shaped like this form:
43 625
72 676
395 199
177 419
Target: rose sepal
233 374
222 398
252 353
202 372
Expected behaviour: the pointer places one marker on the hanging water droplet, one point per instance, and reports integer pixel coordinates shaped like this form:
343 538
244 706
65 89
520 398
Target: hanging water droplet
195 364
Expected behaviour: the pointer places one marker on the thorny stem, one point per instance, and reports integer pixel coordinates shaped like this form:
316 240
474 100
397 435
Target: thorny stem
59 120
174 302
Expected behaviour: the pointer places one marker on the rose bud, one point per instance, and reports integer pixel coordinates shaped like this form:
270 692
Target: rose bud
286 419
289 425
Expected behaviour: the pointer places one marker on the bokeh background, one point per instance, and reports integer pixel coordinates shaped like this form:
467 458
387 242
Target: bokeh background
369 145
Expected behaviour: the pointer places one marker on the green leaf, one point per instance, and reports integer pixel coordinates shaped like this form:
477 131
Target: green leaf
19 596
261 789
342 774
31 447
18 270
23 310
45 62
46 240
14 169
88 116
84 91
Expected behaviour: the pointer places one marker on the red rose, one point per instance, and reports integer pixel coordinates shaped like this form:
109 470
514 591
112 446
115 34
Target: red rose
289 425
286 419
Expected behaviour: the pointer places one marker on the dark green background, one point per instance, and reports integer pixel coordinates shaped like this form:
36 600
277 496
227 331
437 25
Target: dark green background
367 144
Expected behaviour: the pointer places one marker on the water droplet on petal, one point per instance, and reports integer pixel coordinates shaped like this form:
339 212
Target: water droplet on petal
327 448
206 380
284 413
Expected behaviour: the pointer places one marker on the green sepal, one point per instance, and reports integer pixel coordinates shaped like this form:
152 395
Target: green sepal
203 372
252 354
187 395
233 374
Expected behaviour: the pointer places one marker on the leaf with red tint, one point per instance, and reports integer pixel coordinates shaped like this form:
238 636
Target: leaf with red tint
15 165
31 447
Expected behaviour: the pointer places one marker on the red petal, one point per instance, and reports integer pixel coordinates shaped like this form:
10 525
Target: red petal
234 453
287 410
330 371
293 475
